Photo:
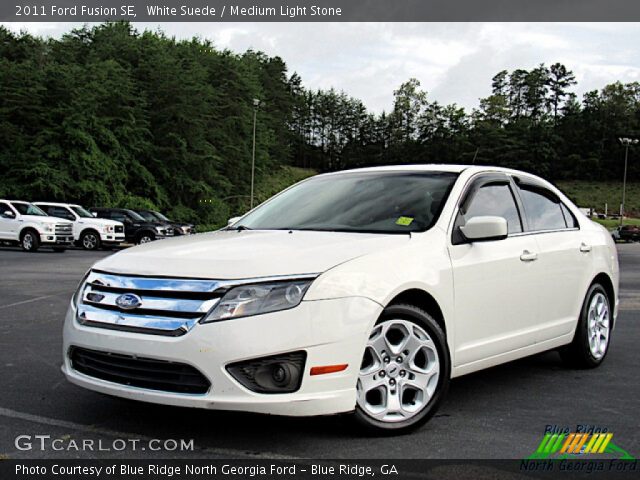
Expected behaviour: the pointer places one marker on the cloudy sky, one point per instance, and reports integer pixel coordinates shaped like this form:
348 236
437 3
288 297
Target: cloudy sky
453 61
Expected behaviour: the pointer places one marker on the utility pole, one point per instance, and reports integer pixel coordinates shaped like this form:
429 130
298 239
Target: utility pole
627 142
256 104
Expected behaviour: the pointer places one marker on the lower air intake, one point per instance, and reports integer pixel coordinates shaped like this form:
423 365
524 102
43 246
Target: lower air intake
139 372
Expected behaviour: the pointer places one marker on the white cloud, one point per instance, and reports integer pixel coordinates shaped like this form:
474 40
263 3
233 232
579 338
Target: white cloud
453 61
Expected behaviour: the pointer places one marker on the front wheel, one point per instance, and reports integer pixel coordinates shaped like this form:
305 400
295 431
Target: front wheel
405 371
591 340
30 241
90 240
146 238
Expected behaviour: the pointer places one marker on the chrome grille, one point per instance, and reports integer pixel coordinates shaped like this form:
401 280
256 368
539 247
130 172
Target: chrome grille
167 306
63 229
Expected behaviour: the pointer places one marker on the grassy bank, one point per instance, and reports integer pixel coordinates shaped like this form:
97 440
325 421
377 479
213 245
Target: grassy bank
596 194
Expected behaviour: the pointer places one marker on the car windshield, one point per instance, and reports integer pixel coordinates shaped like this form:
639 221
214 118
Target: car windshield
27 209
161 216
366 202
81 212
148 216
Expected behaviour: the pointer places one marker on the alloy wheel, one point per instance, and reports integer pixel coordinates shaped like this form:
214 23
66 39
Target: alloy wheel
399 371
598 325
145 239
27 241
90 242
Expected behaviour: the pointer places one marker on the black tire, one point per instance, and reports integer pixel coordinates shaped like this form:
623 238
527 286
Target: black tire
145 237
30 240
422 319
59 249
90 240
578 353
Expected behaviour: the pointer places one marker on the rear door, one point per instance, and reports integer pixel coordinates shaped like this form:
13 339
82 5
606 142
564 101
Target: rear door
495 302
564 259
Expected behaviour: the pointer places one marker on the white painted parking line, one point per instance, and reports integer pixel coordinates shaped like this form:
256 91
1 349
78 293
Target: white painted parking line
31 300
54 422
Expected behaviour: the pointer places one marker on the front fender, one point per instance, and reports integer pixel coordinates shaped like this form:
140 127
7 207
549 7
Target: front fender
422 264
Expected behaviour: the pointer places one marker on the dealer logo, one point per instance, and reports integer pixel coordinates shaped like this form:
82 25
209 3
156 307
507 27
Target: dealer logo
128 301
562 443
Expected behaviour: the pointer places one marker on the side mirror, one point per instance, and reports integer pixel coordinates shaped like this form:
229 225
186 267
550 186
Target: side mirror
95 214
232 220
8 214
483 229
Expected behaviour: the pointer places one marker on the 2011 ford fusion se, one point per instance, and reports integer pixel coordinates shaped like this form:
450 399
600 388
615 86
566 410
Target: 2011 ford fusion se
362 291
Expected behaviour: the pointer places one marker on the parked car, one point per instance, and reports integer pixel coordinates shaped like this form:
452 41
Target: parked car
24 223
363 291
136 229
179 228
626 233
89 232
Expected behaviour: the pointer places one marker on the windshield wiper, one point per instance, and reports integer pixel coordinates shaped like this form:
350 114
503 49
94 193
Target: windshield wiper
239 228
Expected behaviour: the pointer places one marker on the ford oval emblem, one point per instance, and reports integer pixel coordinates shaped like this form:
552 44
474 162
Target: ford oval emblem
128 301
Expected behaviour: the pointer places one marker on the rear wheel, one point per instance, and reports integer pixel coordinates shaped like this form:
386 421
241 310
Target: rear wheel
591 340
90 240
404 373
30 241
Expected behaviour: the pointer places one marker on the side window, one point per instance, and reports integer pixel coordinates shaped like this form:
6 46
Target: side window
60 213
544 212
118 216
495 200
4 207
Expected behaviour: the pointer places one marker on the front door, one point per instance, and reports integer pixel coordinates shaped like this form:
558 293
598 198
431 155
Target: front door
495 302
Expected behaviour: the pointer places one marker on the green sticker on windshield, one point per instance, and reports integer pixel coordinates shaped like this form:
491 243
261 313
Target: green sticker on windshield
404 221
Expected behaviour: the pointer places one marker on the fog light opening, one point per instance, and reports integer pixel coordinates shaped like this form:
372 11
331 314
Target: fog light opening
274 374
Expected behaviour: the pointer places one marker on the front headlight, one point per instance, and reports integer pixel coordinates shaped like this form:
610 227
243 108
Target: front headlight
160 230
108 229
255 299
49 227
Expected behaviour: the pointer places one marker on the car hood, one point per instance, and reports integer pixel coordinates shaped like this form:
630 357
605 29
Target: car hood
47 219
99 221
247 254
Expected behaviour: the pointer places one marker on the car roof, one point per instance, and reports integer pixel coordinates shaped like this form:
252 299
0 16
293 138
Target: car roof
14 201
56 204
432 167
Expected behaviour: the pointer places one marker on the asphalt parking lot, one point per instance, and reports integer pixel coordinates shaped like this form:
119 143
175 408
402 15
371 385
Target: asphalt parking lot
499 413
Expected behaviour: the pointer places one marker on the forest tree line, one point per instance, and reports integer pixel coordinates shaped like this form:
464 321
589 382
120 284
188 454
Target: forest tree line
111 116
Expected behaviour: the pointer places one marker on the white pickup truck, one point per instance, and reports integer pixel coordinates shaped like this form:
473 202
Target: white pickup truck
89 232
24 223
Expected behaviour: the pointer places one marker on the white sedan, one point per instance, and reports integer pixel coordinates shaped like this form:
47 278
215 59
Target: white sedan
362 291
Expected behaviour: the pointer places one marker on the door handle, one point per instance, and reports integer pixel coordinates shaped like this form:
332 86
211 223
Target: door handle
528 256
585 248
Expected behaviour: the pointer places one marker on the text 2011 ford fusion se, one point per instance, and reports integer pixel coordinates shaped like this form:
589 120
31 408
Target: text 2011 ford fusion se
362 291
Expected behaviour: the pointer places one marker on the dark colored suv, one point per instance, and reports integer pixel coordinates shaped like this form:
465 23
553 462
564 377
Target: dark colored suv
179 228
136 229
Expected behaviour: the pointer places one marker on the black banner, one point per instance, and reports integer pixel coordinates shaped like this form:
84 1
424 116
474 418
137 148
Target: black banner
319 10
312 469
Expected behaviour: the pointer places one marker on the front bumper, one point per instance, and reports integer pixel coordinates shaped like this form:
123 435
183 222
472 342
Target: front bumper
52 238
329 331
112 238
